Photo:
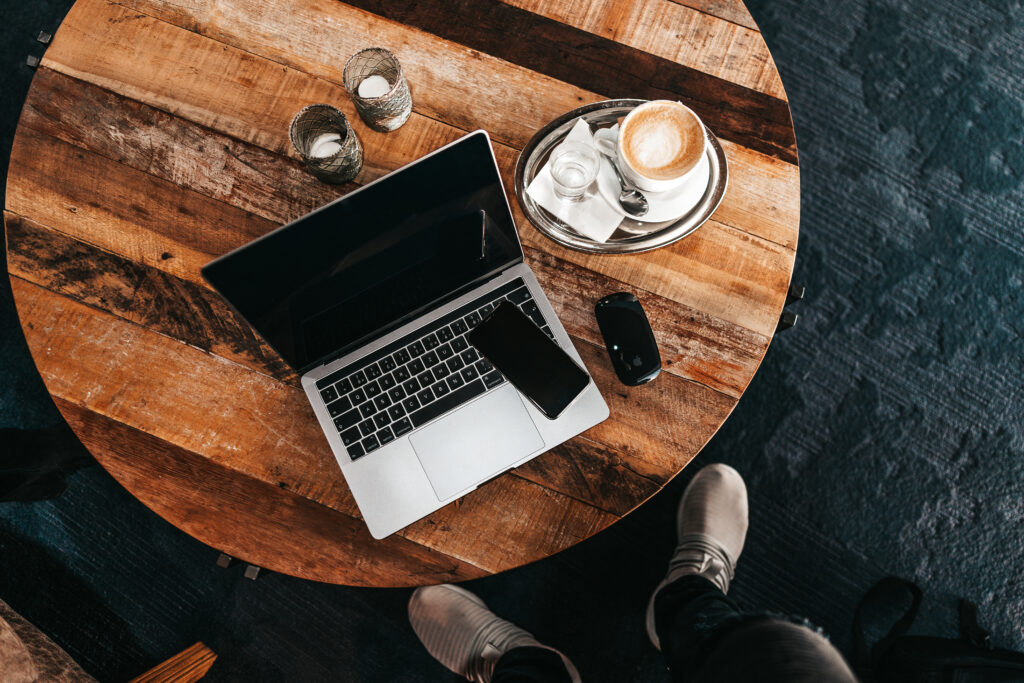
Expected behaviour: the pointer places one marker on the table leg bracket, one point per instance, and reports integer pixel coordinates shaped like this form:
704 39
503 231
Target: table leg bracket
225 561
788 318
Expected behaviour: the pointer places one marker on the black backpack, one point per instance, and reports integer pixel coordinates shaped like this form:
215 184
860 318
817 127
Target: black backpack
899 658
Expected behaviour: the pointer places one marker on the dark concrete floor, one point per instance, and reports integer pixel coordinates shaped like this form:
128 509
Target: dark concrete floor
884 434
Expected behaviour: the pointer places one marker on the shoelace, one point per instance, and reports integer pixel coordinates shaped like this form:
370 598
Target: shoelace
708 558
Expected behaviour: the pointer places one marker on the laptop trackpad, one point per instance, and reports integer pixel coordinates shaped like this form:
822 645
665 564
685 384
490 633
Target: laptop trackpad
476 442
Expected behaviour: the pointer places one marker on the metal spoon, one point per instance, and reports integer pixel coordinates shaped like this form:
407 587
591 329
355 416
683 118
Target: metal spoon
631 199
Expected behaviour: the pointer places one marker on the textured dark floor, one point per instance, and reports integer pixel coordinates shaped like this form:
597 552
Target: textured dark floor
884 434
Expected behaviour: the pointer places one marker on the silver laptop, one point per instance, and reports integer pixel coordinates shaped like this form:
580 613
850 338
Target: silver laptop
370 298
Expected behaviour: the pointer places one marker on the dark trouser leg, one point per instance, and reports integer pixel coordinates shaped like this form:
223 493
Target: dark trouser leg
530 665
704 637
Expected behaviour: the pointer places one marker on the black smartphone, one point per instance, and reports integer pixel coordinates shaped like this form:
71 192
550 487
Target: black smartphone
533 363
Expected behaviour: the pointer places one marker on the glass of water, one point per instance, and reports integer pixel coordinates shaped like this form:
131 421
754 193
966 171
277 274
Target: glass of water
573 169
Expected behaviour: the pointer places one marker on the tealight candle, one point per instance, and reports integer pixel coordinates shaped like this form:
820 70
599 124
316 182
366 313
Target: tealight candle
325 145
374 86
373 79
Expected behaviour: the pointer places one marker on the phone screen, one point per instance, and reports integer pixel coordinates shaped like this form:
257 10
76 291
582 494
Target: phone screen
533 363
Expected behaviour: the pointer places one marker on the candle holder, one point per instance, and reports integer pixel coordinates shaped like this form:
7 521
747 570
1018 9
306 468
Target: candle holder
325 140
365 76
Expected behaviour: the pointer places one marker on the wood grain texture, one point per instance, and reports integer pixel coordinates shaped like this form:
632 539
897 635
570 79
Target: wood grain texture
759 201
154 138
202 230
315 542
685 35
601 65
731 10
510 87
187 666
40 258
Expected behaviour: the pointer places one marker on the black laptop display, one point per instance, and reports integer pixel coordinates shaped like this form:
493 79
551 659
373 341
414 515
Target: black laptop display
373 260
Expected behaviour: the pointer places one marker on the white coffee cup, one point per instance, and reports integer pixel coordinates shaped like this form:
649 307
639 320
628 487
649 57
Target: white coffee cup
659 145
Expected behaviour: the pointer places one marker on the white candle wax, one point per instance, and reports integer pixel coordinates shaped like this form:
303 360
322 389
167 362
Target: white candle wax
325 145
373 86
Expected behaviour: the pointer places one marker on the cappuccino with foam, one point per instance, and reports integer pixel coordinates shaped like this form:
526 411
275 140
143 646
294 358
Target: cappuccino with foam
660 143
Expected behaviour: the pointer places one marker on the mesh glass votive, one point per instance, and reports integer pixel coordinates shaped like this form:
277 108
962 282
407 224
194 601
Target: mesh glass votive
374 80
322 136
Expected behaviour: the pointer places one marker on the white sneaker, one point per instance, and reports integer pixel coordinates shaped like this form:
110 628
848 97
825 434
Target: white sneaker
460 632
711 524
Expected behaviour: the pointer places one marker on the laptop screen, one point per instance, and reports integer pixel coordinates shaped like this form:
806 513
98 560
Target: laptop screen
370 261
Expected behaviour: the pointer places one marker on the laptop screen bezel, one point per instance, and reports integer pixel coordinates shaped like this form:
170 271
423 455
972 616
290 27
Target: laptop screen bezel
383 330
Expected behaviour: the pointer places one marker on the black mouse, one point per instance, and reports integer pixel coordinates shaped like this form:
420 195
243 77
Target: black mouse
628 338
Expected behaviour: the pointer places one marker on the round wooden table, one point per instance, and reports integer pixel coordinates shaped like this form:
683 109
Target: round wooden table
155 138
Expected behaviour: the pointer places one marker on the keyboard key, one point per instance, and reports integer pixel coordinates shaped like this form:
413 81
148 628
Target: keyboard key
430 341
547 330
519 296
411 386
401 374
358 379
416 367
402 357
355 451
367 409
430 359
486 310
410 404
402 426
386 382
469 356
416 349
455 381
350 436
493 379
441 371
440 389
445 352
385 435
459 327
452 400
372 371
483 366
396 412
444 334
459 344
387 364
357 396
469 374
397 394
366 427
343 387
530 309
349 419
426 379
370 443
329 394
381 419
425 396
473 319
455 364
372 389
339 406
382 402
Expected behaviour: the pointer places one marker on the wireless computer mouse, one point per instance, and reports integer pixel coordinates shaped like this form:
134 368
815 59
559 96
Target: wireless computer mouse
628 338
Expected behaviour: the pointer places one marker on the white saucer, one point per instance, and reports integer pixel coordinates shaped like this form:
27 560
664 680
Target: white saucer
664 206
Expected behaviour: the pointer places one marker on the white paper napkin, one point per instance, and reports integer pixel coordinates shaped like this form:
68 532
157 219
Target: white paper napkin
592 217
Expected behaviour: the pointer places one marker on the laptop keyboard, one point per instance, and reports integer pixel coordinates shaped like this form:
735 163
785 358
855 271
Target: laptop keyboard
419 377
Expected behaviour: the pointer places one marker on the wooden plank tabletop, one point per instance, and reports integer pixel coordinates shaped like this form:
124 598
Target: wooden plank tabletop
154 139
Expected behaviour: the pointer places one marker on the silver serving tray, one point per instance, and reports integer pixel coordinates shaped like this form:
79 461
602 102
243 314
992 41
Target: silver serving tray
631 236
